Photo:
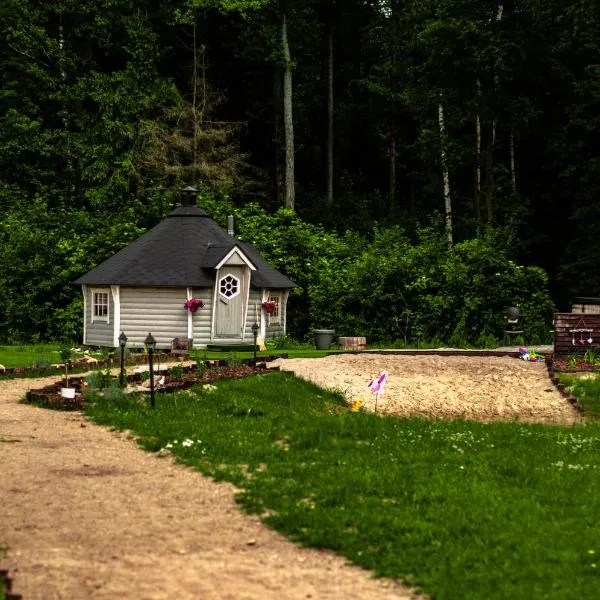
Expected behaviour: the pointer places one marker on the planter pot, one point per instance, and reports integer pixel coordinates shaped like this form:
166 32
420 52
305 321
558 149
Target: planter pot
324 338
67 392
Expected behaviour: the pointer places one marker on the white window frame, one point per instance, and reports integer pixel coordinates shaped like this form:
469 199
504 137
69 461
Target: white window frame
93 304
275 317
238 286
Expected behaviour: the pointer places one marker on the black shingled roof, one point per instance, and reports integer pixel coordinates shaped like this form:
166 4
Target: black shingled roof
181 251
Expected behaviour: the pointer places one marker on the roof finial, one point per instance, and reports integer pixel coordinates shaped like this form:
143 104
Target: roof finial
188 196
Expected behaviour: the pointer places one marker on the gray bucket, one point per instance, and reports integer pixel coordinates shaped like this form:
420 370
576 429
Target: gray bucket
324 338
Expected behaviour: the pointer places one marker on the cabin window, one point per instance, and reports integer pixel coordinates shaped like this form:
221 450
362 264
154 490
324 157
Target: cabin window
229 286
100 305
275 316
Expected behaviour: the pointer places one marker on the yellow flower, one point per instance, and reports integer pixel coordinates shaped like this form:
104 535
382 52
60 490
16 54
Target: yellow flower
358 405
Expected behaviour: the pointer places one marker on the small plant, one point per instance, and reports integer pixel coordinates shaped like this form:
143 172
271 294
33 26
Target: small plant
42 363
97 381
144 375
177 372
232 360
590 357
115 395
572 362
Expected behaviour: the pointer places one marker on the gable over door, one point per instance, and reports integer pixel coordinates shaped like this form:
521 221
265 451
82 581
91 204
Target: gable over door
230 304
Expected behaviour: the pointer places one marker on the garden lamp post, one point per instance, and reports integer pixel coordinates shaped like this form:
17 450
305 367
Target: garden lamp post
150 344
255 334
122 344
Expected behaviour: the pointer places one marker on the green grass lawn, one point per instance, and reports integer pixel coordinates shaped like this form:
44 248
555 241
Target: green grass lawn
26 356
463 510
586 388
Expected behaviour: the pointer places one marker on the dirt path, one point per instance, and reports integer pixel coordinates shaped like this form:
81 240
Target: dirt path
480 388
86 514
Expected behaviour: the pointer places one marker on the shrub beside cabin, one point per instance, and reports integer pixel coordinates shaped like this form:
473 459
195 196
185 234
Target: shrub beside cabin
187 256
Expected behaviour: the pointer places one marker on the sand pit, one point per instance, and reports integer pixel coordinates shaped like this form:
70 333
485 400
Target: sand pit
469 387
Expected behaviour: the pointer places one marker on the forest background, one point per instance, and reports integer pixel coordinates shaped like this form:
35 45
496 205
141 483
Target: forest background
415 166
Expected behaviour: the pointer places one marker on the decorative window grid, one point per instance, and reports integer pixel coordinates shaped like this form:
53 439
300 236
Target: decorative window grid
229 286
275 316
100 305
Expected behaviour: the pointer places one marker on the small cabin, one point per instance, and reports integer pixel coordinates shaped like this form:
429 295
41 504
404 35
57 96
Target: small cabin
186 278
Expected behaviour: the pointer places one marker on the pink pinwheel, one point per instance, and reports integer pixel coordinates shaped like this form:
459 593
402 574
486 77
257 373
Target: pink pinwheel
376 385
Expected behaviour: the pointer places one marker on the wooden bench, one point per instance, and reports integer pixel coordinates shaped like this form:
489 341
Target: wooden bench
181 345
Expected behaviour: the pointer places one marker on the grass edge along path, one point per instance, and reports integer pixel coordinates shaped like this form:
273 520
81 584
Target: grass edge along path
456 509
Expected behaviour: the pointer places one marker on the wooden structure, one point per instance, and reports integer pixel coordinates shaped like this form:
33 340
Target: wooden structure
576 332
185 279
586 304
352 343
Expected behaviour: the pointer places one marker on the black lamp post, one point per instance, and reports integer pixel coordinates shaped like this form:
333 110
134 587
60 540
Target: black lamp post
150 344
122 343
255 334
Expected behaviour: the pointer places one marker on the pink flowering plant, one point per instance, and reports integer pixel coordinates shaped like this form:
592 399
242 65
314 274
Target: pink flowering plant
193 304
269 307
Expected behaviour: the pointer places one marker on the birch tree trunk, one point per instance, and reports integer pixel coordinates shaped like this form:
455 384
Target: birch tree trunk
288 121
489 188
445 173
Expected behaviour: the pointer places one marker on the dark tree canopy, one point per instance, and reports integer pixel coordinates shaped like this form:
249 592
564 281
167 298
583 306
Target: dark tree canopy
108 107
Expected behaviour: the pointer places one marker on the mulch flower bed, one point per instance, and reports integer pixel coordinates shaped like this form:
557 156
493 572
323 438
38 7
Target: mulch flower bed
174 380
573 364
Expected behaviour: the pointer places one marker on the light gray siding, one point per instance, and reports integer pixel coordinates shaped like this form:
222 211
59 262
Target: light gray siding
254 313
202 319
99 333
159 311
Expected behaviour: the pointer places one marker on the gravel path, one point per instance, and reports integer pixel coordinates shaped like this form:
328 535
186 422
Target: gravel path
86 514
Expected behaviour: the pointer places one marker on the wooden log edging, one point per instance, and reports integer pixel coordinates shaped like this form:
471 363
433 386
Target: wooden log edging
561 387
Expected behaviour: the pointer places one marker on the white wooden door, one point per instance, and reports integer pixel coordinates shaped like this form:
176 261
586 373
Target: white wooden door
230 303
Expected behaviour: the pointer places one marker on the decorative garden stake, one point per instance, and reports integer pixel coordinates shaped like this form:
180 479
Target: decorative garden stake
255 334
150 344
122 343
376 386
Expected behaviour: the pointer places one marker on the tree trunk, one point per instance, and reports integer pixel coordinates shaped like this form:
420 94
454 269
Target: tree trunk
194 106
279 164
446 175
478 169
330 112
489 187
489 174
288 122
513 173
392 157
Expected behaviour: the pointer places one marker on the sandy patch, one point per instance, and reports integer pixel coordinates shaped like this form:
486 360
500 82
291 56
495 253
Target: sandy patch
469 387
